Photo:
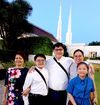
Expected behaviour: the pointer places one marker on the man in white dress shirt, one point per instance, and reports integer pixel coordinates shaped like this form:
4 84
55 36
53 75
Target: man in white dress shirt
58 78
38 84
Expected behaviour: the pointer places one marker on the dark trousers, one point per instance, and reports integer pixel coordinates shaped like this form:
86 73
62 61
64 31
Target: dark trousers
57 97
35 99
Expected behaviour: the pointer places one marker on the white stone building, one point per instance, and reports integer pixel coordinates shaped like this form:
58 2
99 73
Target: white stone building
89 51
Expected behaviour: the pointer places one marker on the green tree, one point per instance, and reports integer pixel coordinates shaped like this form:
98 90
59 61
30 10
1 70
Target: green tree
94 43
34 45
3 18
13 20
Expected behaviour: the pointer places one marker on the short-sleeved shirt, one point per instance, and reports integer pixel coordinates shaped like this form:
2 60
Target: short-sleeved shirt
36 82
14 81
58 79
80 89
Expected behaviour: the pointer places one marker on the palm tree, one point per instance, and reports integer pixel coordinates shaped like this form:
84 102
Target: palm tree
16 14
3 18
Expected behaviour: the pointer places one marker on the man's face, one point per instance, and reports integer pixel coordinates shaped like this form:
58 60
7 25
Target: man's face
59 52
40 62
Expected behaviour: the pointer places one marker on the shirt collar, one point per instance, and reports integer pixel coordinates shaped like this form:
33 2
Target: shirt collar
81 80
60 59
39 68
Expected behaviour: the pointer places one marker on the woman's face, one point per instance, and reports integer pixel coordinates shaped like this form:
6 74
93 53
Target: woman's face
78 57
19 61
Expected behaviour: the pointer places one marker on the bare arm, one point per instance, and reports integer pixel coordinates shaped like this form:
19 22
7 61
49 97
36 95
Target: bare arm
28 83
26 91
71 98
95 93
92 72
92 95
4 101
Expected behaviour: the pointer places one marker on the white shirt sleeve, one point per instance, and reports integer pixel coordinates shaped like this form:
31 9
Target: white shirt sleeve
28 80
27 83
72 68
25 99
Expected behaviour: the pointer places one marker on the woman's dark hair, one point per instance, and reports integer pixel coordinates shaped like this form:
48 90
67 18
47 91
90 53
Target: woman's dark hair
22 54
84 64
39 55
78 50
65 51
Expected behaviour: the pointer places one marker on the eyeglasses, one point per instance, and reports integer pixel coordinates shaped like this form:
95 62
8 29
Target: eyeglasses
77 56
58 49
38 60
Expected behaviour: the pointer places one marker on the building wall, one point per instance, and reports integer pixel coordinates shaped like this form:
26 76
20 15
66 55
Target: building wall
85 49
92 49
72 48
31 57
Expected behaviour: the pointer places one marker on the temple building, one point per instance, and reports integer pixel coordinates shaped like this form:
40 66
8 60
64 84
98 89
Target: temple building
89 51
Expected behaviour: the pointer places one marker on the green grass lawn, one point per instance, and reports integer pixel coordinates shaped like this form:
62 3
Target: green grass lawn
97 81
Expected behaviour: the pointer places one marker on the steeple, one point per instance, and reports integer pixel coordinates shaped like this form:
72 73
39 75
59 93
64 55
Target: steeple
69 33
59 28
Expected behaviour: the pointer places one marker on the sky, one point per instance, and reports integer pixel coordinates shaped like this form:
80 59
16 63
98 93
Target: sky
85 18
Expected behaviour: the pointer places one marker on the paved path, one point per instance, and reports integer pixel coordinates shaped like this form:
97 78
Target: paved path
94 61
1 90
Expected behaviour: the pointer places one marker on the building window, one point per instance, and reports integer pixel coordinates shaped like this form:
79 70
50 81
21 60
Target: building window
92 54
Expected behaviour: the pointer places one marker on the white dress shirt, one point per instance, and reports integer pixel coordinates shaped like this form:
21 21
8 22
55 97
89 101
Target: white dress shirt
36 83
58 79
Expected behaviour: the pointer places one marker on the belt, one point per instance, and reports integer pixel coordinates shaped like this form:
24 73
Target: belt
58 91
35 95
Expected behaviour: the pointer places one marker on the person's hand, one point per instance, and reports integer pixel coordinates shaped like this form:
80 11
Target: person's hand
31 69
4 101
74 104
95 101
26 92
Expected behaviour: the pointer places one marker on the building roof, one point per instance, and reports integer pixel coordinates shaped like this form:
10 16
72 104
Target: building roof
40 32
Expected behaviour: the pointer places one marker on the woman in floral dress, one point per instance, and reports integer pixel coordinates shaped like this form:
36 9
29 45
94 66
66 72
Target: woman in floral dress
14 81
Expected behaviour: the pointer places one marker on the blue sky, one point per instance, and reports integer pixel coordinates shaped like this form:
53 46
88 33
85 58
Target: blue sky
85 18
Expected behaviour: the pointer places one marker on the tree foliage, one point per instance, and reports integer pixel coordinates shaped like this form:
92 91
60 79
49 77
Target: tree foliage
94 43
13 20
34 45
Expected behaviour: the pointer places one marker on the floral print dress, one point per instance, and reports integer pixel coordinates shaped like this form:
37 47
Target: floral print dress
14 81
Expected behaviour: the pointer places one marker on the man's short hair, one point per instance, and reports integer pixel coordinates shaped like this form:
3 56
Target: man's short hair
58 45
39 55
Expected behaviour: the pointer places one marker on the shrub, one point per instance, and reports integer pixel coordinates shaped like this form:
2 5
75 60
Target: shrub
28 64
34 45
6 65
96 58
6 55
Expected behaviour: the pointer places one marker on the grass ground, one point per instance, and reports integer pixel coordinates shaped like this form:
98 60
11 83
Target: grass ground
97 81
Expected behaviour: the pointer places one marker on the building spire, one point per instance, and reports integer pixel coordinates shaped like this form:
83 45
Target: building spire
59 28
69 33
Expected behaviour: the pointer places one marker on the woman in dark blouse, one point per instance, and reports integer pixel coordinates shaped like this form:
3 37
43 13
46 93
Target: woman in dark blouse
14 81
